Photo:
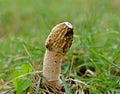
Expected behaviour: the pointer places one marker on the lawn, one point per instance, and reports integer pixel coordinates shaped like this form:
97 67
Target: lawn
93 59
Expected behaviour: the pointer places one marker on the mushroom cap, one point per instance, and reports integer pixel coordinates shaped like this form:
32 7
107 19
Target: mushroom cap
60 38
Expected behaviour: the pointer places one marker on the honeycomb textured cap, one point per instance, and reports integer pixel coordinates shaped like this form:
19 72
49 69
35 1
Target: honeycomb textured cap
60 38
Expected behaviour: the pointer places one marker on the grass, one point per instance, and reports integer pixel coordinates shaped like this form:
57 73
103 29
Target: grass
24 26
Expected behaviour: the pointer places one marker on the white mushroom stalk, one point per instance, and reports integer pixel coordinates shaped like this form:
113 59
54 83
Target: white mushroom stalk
57 45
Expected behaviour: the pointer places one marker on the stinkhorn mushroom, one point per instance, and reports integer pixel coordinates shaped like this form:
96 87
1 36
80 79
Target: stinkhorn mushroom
57 45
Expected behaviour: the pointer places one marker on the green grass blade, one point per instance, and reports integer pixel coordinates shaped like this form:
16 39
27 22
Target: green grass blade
38 85
108 61
67 90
